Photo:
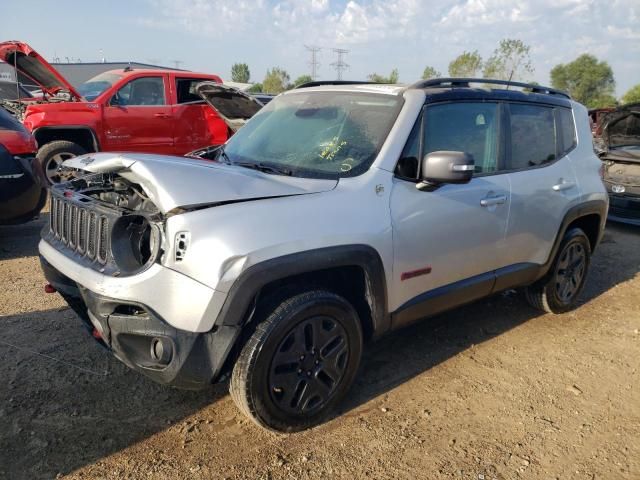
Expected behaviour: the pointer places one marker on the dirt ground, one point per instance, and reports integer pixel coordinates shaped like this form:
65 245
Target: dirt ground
492 390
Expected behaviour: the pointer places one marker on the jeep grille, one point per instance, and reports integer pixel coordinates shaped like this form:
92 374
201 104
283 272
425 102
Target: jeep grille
80 229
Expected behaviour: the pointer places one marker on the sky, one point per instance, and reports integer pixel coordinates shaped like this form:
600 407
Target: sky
211 35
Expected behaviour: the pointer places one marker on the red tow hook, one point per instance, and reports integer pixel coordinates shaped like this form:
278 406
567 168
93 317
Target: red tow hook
48 288
96 334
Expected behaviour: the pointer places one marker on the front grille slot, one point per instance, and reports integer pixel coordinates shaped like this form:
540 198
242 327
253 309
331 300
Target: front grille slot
73 226
80 229
91 236
104 238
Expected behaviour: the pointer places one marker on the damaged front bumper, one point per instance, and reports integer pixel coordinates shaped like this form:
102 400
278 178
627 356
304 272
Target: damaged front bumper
130 316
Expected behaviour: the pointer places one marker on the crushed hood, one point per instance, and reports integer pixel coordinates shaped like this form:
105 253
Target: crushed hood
233 106
31 64
622 129
179 182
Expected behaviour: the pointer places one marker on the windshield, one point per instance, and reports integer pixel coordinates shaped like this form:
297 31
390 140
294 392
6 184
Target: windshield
316 134
92 88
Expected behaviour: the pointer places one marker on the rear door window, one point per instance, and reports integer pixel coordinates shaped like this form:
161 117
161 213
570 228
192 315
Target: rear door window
186 90
533 136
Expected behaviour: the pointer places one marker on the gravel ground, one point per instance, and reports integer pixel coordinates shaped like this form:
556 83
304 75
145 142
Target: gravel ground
492 390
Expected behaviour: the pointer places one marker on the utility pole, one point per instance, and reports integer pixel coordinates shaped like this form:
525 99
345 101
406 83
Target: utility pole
314 64
340 65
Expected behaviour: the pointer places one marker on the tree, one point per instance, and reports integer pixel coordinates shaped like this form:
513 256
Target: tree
255 88
632 95
510 61
275 81
392 78
587 80
467 64
430 72
301 79
240 73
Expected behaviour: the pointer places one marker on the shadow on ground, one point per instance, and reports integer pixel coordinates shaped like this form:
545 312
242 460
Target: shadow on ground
58 416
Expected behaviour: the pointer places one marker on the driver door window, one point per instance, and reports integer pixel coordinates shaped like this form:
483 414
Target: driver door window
148 91
468 127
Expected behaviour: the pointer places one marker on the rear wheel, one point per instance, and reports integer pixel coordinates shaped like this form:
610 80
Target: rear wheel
51 155
558 291
299 362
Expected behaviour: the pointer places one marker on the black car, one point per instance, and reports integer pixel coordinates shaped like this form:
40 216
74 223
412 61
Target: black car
22 188
621 138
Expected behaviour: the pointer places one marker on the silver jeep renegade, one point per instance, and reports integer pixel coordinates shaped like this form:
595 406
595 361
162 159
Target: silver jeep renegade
338 213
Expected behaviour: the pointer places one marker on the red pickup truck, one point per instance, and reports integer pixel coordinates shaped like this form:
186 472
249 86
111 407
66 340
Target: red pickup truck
154 111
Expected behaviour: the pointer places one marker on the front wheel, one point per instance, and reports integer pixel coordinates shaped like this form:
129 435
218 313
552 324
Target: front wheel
51 155
558 291
299 362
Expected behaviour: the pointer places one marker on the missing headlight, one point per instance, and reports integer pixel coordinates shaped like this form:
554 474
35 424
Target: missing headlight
135 243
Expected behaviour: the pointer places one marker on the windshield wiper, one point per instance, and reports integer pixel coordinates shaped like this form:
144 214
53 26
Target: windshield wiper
263 167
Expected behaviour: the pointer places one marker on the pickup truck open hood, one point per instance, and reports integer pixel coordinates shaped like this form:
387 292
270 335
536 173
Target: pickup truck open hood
181 183
233 106
30 63
622 129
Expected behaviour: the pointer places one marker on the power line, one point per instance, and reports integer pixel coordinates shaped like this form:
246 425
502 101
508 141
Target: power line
340 65
313 63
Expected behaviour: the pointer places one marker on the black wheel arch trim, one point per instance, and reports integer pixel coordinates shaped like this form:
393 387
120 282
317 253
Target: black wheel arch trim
591 207
239 303
94 137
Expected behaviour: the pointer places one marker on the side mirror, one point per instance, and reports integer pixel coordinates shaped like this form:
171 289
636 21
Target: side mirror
445 167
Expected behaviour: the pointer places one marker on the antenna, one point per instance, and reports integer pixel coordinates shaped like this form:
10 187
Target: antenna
340 65
314 60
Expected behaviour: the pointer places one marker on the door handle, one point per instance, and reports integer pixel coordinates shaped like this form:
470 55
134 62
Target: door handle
491 201
563 186
161 115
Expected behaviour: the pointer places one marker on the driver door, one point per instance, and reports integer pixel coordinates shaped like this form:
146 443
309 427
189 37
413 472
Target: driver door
447 242
139 118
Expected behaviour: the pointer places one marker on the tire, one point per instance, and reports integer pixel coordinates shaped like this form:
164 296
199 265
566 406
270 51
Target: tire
299 362
51 155
558 291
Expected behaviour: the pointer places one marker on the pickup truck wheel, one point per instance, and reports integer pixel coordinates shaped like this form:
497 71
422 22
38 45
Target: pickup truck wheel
299 362
558 291
51 155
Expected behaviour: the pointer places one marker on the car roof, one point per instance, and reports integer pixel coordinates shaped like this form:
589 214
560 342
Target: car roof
451 89
160 71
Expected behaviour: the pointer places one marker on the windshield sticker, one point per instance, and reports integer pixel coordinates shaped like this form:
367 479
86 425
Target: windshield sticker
332 148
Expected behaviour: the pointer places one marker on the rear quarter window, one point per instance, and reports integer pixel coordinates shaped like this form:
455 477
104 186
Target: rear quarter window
567 130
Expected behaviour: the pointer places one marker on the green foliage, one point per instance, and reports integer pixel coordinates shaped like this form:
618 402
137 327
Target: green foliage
240 73
587 80
255 88
300 80
275 81
510 61
392 78
632 95
467 64
430 72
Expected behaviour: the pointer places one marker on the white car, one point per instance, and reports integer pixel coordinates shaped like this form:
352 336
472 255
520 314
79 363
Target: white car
338 213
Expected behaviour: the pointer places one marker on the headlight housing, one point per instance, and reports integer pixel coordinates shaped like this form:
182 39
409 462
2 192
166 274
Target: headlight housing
135 243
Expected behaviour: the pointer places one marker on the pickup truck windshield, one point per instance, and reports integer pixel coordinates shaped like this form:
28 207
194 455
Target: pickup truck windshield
316 134
93 87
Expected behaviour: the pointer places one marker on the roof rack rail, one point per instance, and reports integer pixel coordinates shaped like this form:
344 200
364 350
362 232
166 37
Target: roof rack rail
320 83
464 82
